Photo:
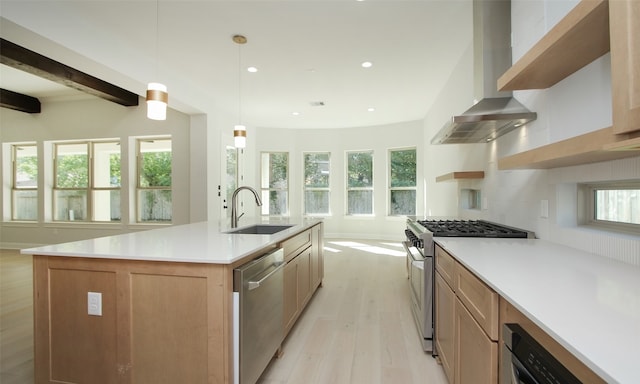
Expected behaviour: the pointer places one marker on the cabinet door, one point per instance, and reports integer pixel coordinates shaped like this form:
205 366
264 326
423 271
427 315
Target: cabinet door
476 355
317 262
304 280
445 316
290 303
480 300
624 22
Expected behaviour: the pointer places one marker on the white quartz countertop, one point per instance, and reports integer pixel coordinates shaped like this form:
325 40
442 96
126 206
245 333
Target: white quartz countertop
204 242
587 303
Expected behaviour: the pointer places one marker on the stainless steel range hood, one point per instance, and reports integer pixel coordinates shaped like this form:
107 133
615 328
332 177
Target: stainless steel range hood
495 113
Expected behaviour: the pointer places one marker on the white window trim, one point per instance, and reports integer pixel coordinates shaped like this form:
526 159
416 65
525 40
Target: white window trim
390 188
322 189
349 189
586 203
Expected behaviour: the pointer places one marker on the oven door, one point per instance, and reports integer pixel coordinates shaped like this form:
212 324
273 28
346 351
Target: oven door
419 268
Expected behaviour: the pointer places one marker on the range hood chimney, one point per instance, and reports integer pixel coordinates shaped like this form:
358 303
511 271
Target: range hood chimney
495 113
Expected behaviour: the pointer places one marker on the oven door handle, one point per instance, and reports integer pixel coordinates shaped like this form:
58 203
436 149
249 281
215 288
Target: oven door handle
415 256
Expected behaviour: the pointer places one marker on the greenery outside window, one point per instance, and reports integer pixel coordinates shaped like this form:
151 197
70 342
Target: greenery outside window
24 186
360 183
154 191
615 205
316 183
402 182
87 181
274 183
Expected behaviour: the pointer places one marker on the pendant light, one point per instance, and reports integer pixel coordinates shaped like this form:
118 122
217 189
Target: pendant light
239 131
157 96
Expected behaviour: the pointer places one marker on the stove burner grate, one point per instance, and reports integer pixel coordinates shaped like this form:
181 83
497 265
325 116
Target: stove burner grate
470 228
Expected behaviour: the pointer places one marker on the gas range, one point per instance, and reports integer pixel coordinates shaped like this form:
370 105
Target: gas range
420 232
420 250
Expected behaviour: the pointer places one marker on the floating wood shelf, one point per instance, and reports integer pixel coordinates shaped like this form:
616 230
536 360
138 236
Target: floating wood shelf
592 147
460 176
579 38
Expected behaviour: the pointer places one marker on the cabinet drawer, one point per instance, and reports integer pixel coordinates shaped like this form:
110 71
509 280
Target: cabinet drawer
445 264
481 301
293 246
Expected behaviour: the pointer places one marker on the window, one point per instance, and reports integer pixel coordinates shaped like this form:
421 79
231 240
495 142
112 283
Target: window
402 182
316 183
360 183
87 181
154 180
615 205
24 189
231 161
275 183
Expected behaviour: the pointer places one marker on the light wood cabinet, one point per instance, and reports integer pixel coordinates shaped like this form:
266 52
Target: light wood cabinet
480 300
624 16
317 256
445 332
476 354
302 274
466 323
161 322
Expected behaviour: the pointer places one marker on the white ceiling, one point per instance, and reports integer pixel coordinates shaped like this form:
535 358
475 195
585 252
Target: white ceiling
306 51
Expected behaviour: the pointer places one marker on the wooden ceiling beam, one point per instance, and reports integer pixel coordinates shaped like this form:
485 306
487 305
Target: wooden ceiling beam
18 101
32 62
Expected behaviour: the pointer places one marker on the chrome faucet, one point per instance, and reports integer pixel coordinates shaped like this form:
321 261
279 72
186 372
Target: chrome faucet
234 203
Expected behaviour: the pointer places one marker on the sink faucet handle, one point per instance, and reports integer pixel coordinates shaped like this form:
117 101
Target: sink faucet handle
242 214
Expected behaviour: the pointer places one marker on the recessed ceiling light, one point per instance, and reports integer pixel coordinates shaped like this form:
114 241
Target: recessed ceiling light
371 109
295 113
367 64
252 69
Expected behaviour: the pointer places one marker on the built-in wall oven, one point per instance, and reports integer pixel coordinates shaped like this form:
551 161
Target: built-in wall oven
525 361
420 249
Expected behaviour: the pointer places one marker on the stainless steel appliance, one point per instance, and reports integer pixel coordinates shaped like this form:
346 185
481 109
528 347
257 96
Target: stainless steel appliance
258 293
420 249
525 361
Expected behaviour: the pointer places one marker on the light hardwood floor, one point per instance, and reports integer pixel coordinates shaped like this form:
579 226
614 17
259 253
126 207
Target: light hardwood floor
16 318
357 328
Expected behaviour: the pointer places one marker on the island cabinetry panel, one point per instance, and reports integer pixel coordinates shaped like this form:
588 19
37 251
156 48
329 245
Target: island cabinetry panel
303 273
297 286
624 21
161 322
317 256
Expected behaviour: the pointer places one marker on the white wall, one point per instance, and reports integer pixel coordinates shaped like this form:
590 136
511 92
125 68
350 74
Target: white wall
94 119
579 104
338 141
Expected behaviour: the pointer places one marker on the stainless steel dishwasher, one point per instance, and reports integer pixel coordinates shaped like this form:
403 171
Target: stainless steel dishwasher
258 293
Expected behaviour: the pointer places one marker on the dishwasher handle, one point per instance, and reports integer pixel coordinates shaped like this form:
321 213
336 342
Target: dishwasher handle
262 277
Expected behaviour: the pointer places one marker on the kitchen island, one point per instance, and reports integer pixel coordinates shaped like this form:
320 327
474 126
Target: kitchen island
589 305
165 301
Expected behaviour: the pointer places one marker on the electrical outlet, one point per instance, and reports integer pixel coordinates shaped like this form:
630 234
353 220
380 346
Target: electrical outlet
94 303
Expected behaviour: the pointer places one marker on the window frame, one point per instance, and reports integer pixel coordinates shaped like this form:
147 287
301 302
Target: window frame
356 189
589 205
305 188
138 175
91 188
266 191
14 179
390 188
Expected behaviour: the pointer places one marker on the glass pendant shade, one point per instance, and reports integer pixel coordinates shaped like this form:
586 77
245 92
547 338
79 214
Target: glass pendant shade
157 99
240 136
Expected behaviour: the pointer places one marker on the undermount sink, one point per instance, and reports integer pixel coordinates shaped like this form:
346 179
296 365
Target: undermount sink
260 229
